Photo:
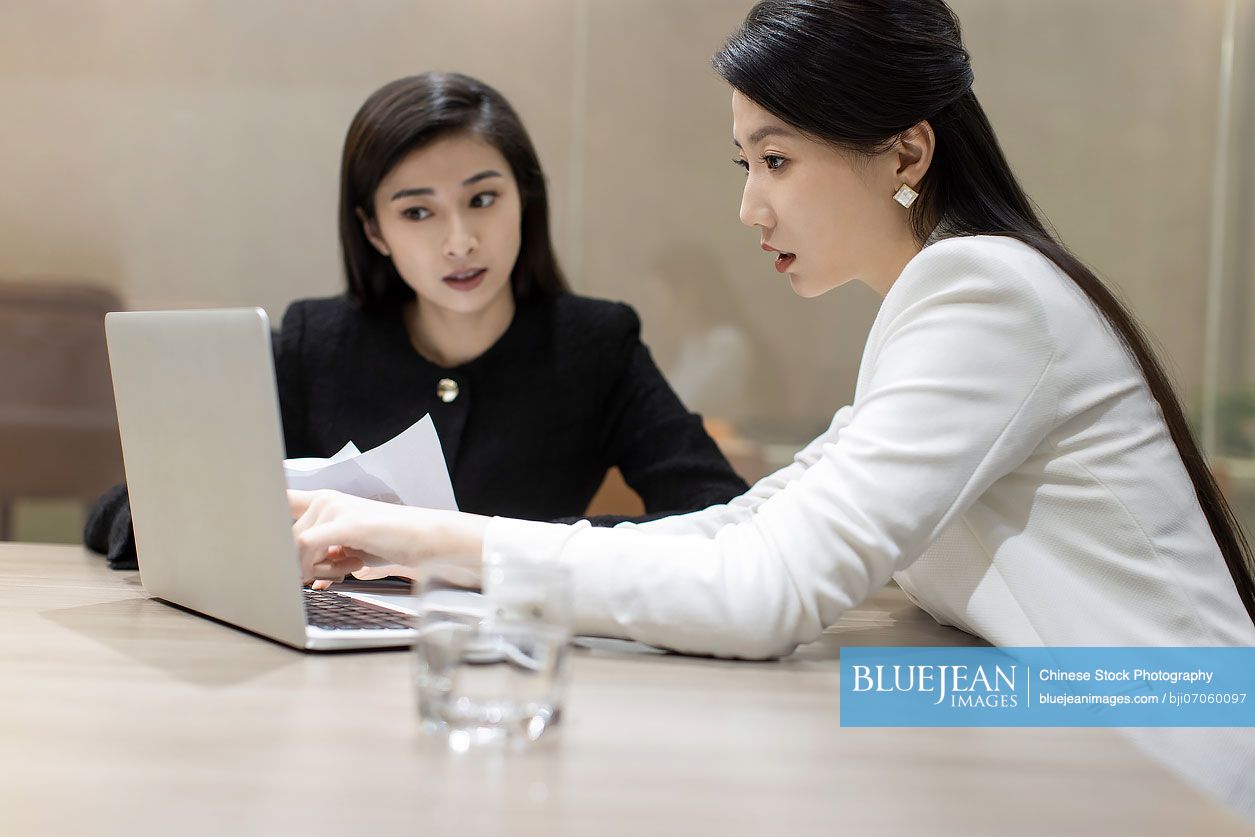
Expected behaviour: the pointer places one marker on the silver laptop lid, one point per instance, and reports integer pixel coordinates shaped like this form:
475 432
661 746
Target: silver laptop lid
203 449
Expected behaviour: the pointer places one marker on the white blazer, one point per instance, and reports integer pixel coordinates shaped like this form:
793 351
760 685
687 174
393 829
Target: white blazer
1003 459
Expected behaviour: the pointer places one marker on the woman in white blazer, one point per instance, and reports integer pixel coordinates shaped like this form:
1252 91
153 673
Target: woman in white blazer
1014 455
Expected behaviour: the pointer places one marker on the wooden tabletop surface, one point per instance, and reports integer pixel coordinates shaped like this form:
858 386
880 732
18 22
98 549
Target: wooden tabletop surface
123 715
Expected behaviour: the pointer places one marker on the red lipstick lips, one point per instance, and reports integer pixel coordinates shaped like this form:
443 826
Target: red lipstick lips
783 260
466 280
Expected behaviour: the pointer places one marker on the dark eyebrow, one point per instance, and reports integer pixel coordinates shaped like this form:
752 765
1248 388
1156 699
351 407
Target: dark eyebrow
483 175
427 190
766 131
410 193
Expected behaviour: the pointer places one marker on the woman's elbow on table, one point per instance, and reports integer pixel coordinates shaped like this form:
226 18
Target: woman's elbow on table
771 629
754 640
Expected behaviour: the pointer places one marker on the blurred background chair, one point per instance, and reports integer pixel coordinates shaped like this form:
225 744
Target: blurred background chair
58 428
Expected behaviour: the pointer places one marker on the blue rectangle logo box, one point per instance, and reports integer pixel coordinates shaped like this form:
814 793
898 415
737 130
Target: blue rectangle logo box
1047 687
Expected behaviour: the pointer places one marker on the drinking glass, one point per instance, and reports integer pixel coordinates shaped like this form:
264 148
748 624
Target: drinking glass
491 665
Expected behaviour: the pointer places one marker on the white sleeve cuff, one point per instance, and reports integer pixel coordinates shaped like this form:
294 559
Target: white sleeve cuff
548 543
528 539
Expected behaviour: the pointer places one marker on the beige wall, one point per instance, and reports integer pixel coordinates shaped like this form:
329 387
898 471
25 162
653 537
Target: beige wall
186 153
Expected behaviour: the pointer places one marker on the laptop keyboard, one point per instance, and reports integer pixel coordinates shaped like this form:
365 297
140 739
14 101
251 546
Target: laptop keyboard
334 612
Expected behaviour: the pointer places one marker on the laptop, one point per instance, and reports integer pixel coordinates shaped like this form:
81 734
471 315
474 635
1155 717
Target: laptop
202 443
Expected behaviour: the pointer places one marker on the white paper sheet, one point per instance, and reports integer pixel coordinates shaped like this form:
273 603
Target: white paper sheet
407 469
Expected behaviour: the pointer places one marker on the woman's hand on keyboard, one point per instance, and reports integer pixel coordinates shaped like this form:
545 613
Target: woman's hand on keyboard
338 534
366 573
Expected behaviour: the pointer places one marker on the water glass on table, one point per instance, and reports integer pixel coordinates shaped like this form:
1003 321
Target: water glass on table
491 667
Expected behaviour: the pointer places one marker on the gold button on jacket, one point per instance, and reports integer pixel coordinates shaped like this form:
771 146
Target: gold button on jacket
447 390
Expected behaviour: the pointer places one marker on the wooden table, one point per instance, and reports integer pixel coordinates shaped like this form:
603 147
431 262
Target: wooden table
122 715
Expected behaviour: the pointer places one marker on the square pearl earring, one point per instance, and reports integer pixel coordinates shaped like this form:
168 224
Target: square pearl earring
905 195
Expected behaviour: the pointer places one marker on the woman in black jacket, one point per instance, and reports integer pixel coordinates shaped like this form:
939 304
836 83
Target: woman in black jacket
456 307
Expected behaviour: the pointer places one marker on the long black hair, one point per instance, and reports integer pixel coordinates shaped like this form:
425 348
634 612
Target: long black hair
405 115
856 74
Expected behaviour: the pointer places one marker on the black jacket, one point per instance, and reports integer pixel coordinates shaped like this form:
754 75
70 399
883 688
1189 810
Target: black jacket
567 392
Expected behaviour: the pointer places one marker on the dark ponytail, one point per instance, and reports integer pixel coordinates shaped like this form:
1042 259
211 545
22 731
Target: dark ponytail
858 73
